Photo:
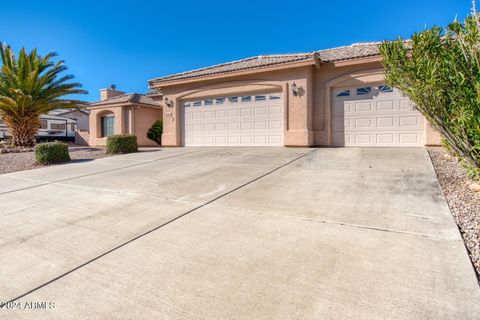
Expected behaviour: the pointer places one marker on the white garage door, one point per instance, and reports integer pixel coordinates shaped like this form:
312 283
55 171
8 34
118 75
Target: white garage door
374 116
250 120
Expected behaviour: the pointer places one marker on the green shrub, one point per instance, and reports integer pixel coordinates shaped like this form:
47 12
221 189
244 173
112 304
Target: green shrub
155 132
439 70
51 152
122 143
471 171
448 147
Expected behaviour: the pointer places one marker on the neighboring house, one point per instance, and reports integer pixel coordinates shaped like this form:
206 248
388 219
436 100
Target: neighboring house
333 97
79 115
120 113
52 128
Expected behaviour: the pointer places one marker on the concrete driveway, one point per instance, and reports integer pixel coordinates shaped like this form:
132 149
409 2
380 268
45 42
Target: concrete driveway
234 233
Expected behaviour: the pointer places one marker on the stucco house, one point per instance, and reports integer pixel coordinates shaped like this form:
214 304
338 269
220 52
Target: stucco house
333 97
118 112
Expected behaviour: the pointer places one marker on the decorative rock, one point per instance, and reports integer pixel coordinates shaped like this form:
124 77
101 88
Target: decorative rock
5 149
474 186
463 197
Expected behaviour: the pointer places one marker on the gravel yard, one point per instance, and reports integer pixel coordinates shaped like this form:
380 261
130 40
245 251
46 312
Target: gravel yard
10 162
464 203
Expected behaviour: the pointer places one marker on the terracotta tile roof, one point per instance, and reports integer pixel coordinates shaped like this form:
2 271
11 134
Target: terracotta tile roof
248 63
127 98
353 51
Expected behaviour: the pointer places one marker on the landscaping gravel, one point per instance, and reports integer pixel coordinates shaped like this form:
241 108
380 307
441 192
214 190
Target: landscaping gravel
464 203
10 162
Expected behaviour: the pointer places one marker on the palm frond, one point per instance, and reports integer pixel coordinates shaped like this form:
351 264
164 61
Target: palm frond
31 85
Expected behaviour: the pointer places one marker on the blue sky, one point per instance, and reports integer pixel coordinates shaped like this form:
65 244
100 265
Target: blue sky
129 42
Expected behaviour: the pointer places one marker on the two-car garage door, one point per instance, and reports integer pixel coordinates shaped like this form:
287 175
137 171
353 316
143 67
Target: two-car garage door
248 120
375 116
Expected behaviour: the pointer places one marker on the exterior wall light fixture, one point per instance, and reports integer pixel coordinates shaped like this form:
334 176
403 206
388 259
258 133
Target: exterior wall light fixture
168 103
294 89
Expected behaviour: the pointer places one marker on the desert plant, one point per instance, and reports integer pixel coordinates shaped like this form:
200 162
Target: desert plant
51 152
448 147
155 132
31 85
122 143
472 172
439 70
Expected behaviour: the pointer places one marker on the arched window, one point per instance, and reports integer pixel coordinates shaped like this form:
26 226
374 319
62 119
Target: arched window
108 124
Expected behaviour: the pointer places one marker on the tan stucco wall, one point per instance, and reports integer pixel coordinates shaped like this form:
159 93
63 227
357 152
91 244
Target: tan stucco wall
129 119
144 119
432 136
306 116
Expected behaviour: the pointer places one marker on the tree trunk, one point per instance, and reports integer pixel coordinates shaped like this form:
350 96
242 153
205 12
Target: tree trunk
23 131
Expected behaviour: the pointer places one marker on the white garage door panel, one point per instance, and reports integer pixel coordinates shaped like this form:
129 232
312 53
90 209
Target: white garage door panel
380 117
254 120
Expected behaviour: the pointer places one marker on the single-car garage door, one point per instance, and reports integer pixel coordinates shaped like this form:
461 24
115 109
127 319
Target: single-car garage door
248 120
374 116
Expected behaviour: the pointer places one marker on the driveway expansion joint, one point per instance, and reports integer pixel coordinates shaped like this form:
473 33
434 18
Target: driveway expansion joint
45 183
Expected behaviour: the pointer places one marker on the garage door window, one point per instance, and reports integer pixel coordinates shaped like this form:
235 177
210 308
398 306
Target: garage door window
230 100
344 93
385 89
363 91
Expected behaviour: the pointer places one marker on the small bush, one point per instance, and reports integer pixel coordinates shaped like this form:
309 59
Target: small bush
52 152
155 132
122 143
472 172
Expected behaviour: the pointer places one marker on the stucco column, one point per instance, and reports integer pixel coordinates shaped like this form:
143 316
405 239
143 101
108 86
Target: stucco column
300 110
171 124
93 125
119 123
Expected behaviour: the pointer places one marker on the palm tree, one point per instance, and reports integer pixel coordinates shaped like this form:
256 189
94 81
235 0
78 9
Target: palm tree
31 85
